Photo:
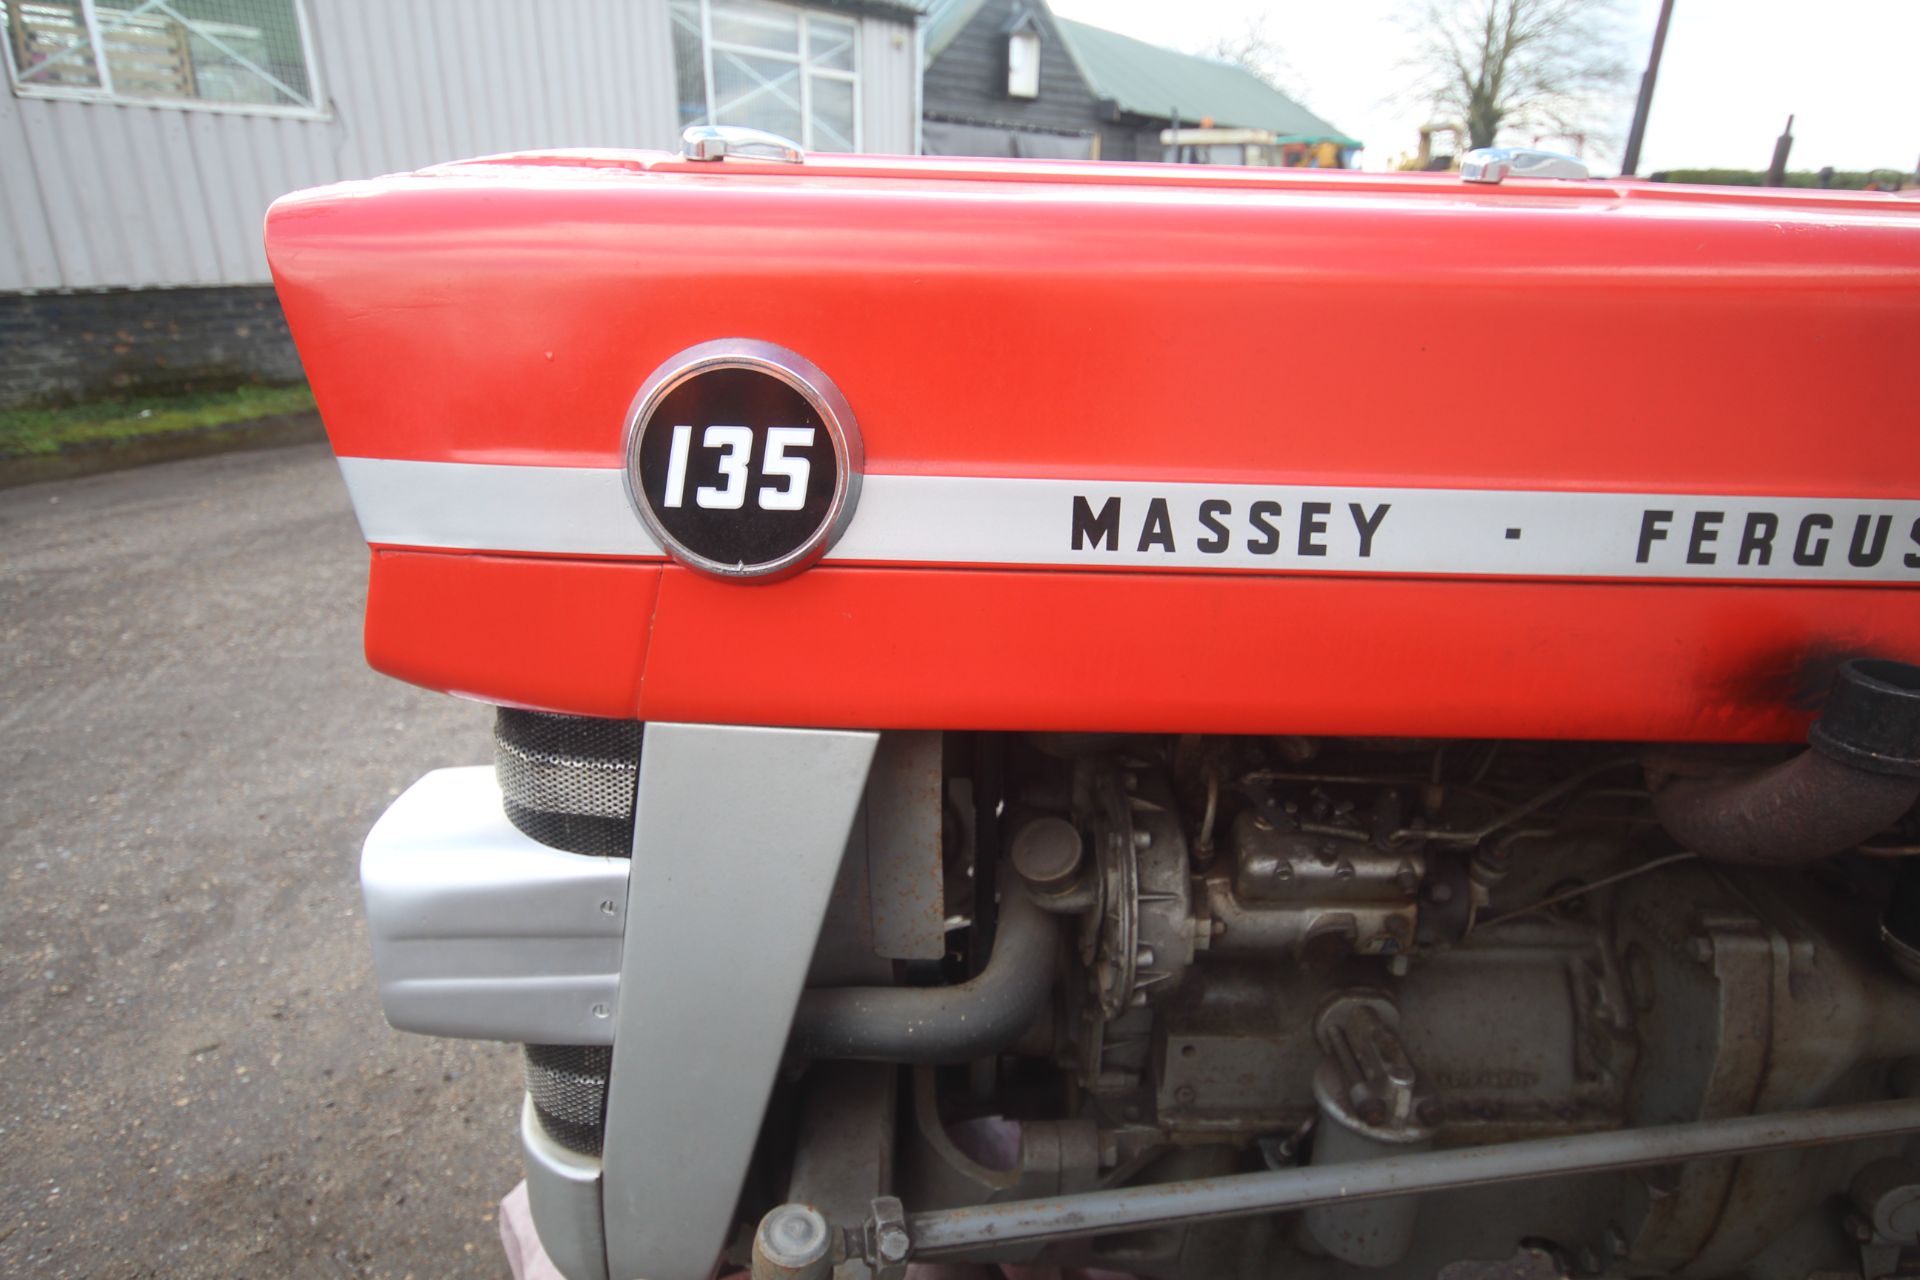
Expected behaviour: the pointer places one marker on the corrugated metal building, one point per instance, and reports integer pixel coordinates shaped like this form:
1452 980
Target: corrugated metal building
141 141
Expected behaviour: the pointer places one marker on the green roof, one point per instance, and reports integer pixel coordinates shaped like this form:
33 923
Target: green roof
1147 80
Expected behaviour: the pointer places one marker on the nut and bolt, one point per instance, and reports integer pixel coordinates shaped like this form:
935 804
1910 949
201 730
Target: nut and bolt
892 1243
793 1241
887 1235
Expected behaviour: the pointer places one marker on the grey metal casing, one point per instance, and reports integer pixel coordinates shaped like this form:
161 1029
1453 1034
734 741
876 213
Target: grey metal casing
738 836
480 932
563 1195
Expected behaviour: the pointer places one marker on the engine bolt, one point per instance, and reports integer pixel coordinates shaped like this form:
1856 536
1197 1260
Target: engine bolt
793 1237
892 1243
1185 1095
1143 839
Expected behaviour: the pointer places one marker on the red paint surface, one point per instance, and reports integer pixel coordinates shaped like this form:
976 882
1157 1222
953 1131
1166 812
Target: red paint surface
1093 320
905 648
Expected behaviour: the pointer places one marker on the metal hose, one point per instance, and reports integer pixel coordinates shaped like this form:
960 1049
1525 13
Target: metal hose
1858 776
1809 807
959 1023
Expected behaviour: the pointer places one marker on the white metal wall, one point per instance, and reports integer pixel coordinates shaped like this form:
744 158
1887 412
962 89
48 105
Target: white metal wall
101 195
889 88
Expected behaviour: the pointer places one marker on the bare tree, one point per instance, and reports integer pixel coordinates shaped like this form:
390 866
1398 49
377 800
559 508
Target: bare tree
1253 50
1546 66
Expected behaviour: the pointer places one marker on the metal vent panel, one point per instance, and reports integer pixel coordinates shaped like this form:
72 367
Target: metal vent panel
569 781
568 1085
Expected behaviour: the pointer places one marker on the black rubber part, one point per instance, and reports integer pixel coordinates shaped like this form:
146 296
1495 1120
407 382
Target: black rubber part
1903 904
1871 720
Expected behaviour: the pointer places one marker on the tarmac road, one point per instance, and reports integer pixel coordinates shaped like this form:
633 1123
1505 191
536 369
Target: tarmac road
195 1079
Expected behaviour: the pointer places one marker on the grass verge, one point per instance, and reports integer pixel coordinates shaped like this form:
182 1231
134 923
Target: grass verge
38 432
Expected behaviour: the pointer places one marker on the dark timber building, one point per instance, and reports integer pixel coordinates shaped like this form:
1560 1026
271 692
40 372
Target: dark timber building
999 81
1008 78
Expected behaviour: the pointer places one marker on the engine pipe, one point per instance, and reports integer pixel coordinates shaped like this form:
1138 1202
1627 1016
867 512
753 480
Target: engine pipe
1860 773
951 1231
957 1023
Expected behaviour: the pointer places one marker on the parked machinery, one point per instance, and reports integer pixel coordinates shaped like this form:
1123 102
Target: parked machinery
998 764
1176 960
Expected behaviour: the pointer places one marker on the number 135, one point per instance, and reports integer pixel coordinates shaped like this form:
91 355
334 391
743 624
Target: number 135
736 447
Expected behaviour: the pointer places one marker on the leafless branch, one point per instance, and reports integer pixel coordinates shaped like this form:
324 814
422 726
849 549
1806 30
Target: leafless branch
1253 49
1518 66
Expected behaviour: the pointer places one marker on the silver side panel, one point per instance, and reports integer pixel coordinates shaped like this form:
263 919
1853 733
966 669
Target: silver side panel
479 931
738 837
563 1192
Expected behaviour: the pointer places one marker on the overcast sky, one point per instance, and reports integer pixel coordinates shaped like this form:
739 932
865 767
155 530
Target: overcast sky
1734 70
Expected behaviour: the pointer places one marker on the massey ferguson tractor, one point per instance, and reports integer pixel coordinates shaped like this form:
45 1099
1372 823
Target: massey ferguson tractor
991 770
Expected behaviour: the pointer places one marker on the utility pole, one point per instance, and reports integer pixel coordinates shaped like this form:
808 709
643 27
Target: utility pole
1777 171
1631 161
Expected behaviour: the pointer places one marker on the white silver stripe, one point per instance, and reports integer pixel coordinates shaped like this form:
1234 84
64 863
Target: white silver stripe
1354 528
483 507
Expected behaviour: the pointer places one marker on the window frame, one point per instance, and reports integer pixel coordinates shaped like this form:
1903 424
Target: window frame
802 60
105 93
1028 35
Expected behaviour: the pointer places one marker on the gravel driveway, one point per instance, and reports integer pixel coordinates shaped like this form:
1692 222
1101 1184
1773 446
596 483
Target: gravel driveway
195 1079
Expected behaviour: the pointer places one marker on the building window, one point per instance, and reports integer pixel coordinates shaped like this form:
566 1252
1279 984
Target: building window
246 55
768 66
1023 63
